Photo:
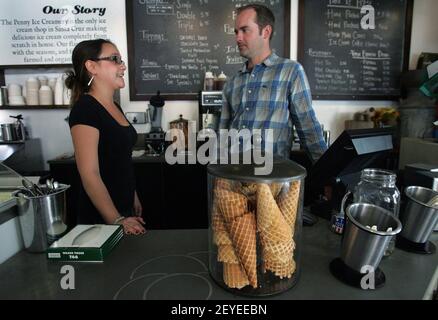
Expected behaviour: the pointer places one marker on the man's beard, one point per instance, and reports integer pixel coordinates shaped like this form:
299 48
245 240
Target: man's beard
244 53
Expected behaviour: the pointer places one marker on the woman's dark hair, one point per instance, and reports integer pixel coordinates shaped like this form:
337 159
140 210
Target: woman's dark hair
264 16
77 80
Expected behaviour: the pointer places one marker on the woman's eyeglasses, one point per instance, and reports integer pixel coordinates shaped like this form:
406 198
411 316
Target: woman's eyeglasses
116 59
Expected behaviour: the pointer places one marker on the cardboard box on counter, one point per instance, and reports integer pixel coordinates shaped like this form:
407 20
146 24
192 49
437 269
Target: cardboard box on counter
86 243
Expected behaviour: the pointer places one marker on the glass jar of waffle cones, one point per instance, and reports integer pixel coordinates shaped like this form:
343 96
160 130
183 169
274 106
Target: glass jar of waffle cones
255 225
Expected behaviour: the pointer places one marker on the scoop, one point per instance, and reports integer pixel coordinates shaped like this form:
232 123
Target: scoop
32 188
49 184
29 185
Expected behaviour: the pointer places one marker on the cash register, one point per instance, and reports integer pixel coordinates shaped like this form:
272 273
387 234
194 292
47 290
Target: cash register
339 168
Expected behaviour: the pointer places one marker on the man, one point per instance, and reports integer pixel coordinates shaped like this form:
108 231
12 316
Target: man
269 92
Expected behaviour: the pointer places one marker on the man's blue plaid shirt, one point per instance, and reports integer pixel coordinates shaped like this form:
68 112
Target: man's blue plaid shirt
274 95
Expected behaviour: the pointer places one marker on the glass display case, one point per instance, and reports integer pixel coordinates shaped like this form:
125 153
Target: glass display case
255 227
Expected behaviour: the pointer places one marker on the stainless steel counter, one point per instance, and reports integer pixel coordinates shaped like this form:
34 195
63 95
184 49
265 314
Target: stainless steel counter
173 264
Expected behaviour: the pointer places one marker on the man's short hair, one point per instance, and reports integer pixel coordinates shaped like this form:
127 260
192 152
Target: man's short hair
264 16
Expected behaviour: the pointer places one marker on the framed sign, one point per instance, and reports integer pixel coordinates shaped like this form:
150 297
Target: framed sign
44 32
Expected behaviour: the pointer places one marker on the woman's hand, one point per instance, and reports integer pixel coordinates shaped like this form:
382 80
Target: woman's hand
133 225
138 209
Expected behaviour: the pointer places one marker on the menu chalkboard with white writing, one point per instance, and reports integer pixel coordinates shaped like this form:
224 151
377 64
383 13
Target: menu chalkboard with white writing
171 44
354 49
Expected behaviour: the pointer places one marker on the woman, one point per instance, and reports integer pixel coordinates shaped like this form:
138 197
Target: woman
103 138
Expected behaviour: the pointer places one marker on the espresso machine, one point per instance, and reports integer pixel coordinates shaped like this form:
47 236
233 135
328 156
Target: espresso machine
210 106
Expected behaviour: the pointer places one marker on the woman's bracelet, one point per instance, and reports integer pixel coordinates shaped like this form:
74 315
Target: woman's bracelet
118 220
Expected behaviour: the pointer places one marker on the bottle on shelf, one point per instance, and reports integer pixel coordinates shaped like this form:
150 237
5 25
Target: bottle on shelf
59 92
209 81
220 82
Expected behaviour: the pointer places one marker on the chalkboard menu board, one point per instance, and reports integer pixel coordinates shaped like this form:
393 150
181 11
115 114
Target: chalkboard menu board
171 44
354 49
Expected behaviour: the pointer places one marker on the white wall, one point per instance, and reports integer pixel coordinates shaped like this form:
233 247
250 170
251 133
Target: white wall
424 29
51 128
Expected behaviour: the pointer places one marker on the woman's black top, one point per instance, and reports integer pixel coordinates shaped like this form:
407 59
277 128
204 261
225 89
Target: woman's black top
115 158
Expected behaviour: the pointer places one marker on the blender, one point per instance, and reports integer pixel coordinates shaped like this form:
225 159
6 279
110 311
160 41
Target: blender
155 138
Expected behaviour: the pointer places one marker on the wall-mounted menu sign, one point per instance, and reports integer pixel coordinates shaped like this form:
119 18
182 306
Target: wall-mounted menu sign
44 32
171 44
355 49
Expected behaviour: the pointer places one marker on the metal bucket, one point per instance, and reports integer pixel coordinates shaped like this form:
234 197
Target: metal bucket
12 132
42 218
418 218
362 246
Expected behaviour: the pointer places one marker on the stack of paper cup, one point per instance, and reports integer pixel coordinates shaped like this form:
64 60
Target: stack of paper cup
46 96
15 95
52 83
32 88
44 81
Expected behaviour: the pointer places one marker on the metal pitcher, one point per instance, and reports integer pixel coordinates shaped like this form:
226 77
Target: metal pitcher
362 245
418 218
42 218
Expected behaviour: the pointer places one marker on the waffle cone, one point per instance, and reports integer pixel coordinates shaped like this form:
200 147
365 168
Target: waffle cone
288 203
279 231
217 222
265 205
221 238
226 254
270 221
276 189
234 276
248 189
243 234
278 251
223 184
250 192
220 233
279 268
232 205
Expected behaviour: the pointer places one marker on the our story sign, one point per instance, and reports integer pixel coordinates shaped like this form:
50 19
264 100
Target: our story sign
44 32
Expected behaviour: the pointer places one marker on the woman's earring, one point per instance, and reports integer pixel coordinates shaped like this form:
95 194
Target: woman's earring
91 80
